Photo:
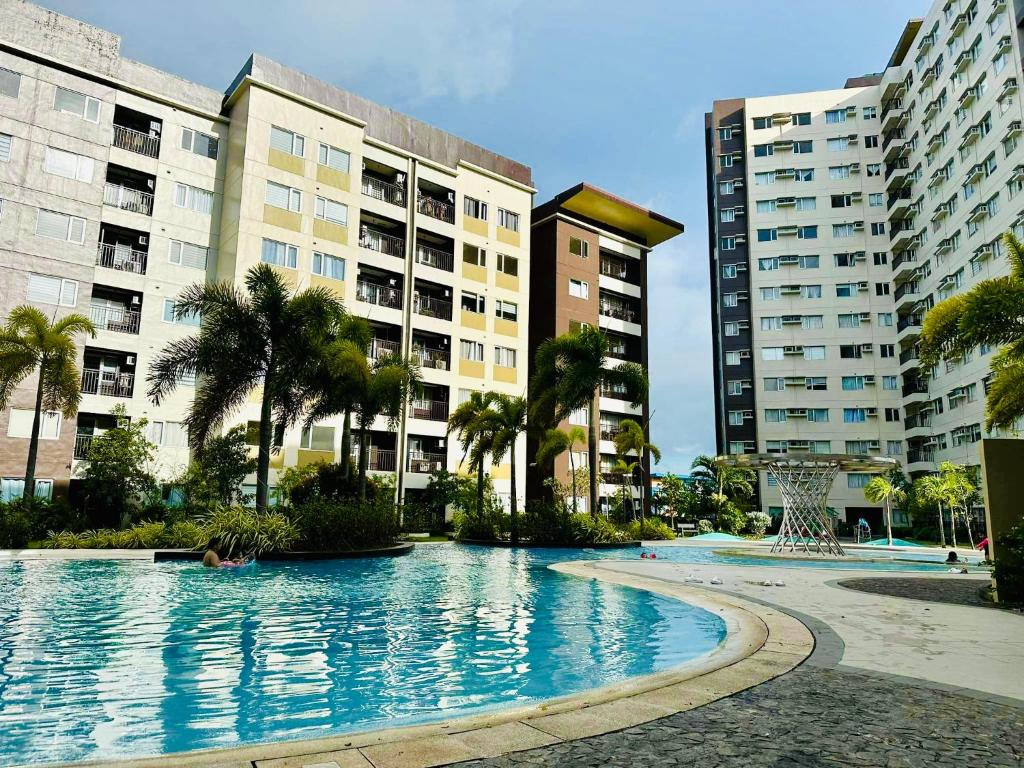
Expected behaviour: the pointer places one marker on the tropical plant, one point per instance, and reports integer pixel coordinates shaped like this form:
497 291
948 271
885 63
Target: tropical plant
474 425
622 471
569 372
240 532
557 441
929 488
31 344
960 494
215 476
265 339
676 496
651 529
15 526
729 481
332 525
758 522
704 526
1008 566
631 440
509 422
118 477
991 313
730 518
882 489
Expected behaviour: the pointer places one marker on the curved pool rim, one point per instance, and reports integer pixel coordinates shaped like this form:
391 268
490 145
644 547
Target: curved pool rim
760 644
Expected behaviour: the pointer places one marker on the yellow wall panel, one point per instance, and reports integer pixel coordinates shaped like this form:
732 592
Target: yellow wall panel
279 217
337 179
506 375
327 230
473 320
508 236
508 282
286 162
476 226
471 368
312 457
474 272
506 327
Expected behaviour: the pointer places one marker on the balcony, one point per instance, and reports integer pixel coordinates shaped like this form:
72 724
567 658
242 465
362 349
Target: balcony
378 459
382 348
382 295
430 410
431 357
136 132
435 201
114 318
128 199
914 387
425 462
435 257
913 288
908 355
383 183
431 306
909 322
107 382
898 201
82 445
122 258
375 240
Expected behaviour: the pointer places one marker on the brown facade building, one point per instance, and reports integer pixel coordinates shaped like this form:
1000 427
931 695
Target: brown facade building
589 252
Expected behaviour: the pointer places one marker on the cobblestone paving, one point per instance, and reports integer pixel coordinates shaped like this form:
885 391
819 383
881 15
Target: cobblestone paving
955 591
809 717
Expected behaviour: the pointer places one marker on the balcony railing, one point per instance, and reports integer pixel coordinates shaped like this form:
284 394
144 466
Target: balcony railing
614 392
618 311
428 306
108 383
619 353
434 257
128 199
613 269
381 347
425 357
382 295
384 190
377 459
373 240
609 433
907 355
436 209
915 387
915 455
123 259
920 420
82 445
424 463
911 321
136 141
117 319
431 410
908 289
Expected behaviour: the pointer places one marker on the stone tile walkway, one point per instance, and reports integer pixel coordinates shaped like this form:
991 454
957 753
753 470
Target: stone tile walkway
809 717
954 591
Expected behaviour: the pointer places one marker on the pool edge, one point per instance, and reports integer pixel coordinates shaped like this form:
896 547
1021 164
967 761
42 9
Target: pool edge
761 643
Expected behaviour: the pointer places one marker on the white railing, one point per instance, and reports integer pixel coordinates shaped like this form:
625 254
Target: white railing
618 311
382 295
124 259
118 319
377 459
82 445
136 141
434 257
128 199
383 190
382 347
373 240
426 357
436 209
425 463
431 307
431 410
109 383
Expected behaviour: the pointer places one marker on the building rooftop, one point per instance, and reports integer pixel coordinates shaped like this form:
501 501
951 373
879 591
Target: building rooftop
599 206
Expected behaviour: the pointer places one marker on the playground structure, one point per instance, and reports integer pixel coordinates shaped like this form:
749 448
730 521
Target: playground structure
805 481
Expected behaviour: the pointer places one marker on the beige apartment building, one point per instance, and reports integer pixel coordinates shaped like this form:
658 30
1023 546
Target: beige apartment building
837 219
121 185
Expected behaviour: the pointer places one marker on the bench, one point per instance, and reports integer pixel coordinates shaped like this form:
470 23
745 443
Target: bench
685 528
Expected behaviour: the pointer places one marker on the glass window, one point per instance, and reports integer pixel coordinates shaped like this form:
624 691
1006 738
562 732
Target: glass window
327 265
66 164
473 255
472 302
287 141
579 289
197 143
10 83
281 254
474 208
335 158
471 350
60 226
44 289
508 220
578 247
506 310
505 357
77 104
317 439
332 211
508 264
280 196
188 254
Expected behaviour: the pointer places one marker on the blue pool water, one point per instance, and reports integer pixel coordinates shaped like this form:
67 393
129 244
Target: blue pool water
107 659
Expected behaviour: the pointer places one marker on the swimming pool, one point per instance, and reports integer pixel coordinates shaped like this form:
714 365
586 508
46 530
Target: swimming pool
106 659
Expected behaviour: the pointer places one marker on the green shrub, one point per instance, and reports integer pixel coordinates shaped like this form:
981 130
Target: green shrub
731 518
329 525
328 481
757 523
1008 568
492 525
705 526
594 530
185 534
544 522
654 529
15 526
236 531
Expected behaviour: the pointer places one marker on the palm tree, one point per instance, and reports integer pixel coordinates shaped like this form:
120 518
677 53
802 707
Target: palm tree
624 470
557 441
569 372
991 313
265 337
509 422
391 381
882 489
732 482
29 343
474 425
630 439
960 494
930 488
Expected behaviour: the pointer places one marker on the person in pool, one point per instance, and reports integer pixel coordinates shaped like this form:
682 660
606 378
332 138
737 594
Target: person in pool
212 560
952 558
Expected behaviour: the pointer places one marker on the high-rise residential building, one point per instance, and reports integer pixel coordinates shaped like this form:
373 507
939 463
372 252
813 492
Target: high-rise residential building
589 252
837 219
120 185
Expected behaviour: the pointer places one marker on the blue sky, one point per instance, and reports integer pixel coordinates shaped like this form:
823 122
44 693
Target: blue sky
610 93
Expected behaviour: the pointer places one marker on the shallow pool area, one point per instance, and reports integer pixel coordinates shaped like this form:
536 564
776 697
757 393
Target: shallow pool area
103 659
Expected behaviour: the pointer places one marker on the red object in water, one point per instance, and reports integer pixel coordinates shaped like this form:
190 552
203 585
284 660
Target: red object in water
643 555
653 556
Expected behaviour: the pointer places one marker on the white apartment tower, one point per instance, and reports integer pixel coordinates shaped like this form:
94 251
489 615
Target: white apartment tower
837 219
120 185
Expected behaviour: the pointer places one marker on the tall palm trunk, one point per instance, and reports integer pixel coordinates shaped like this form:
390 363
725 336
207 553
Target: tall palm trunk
480 488
514 523
942 528
29 490
952 523
640 469
967 522
263 458
592 456
364 452
575 493
346 444
888 521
